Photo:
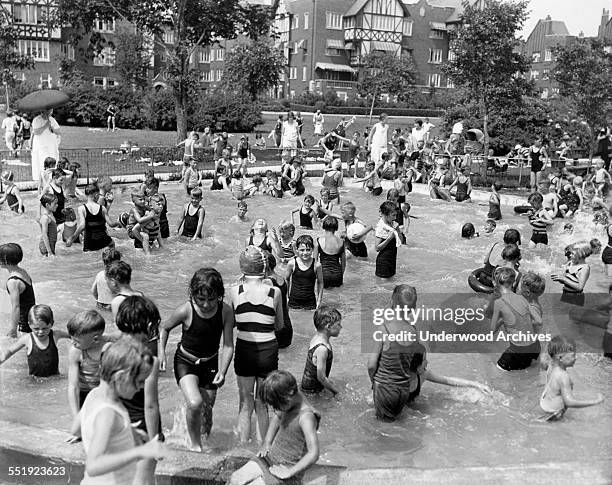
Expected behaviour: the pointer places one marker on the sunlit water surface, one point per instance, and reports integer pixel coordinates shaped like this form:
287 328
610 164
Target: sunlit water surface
446 427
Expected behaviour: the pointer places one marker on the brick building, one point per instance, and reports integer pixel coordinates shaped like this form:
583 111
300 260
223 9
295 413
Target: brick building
546 35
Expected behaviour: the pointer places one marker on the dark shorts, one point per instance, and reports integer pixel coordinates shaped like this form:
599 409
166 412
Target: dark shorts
573 298
204 371
607 345
539 238
606 255
357 249
377 191
389 401
537 166
518 358
164 229
255 359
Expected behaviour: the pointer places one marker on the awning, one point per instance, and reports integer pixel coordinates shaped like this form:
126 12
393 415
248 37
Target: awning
437 25
335 44
348 46
328 66
384 46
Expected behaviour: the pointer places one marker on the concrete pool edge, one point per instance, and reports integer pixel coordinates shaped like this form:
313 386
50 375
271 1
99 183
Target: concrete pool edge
190 468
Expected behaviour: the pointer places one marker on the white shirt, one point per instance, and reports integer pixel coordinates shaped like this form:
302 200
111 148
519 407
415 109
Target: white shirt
8 124
418 134
379 138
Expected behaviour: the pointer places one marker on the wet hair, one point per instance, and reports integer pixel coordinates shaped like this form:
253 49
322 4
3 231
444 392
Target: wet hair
309 198
392 194
491 222
197 193
74 166
287 226
325 190
69 214
156 198
512 236
533 283
595 245
47 199
330 224
208 283
504 276
498 186
40 313
387 207
348 206
11 254
305 240
138 315
405 295
57 173
63 163
92 189
278 388
242 203
86 322
120 272
535 197
49 162
560 344
8 175
511 252
468 230
325 316
253 261
109 255
127 356
582 249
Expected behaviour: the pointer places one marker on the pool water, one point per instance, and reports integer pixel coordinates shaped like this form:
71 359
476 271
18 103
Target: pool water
446 427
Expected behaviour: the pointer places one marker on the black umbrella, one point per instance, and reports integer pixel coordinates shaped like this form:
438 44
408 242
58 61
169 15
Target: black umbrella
43 100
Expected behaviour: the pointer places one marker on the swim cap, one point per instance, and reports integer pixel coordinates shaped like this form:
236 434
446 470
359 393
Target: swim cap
253 261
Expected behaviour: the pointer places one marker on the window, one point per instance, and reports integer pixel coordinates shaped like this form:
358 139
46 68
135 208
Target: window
219 54
28 14
111 82
206 76
204 57
434 80
168 37
407 27
548 55
282 76
544 94
104 25
555 90
435 56
68 51
382 22
98 81
535 57
449 83
451 55
333 20
295 21
293 73
546 74
535 75
333 52
306 19
45 81
218 74
436 34
292 93
105 58
304 74
37 49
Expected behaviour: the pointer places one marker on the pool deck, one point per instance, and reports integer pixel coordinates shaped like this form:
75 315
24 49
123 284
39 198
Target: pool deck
186 467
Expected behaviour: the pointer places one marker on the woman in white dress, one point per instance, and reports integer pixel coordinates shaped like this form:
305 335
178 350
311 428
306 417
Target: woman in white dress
317 121
378 139
290 134
45 141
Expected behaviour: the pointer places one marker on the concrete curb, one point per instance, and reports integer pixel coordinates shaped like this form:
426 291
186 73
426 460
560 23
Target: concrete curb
184 467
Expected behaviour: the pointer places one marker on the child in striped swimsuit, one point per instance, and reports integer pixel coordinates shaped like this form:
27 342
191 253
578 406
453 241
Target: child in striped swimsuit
539 220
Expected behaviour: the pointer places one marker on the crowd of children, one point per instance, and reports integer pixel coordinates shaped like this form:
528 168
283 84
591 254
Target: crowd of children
112 381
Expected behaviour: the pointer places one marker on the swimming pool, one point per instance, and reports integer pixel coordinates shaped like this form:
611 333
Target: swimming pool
446 427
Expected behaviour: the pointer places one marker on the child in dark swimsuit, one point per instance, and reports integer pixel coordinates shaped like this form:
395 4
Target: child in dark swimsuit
263 239
306 212
41 344
48 226
192 217
119 277
11 193
324 206
304 273
18 282
320 354
355 246
284 336
206 320
387 240
286 231
539 220
151 190
576 273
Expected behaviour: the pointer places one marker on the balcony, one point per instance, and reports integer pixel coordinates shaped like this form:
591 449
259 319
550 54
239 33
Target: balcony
322 85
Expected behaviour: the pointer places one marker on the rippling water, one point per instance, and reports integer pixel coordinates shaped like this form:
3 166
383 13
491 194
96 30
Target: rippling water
445 427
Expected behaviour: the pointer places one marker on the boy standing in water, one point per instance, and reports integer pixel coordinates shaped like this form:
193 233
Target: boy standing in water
118 277
356 247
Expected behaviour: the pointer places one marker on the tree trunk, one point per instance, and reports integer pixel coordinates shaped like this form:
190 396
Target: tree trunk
180 108
372 109
485 127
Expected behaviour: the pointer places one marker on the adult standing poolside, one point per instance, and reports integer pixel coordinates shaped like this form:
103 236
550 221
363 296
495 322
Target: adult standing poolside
290 134
378 139
9 125
45 141
317 121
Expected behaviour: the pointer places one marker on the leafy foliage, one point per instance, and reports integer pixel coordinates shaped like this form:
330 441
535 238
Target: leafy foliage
226 110
132 59
487 64
10 59
386 73
254 67
584 73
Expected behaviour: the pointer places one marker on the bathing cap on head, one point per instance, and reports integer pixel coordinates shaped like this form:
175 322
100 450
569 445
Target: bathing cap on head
253 261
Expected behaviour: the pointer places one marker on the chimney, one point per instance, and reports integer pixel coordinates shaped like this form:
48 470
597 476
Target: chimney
548 18
605 18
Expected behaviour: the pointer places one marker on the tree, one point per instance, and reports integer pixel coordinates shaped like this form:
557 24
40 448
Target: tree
486 60
584 73
193 24
385 73
132 59
254 67
10 59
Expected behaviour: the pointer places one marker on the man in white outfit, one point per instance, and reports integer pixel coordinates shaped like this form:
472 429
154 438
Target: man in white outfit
378 140
8 125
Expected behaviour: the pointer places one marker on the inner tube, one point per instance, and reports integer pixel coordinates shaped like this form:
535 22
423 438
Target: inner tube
522 209
476 284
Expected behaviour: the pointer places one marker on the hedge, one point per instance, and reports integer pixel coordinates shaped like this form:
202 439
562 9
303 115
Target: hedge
357 110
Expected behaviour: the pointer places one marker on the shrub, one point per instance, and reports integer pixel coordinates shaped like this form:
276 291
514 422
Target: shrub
229 111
